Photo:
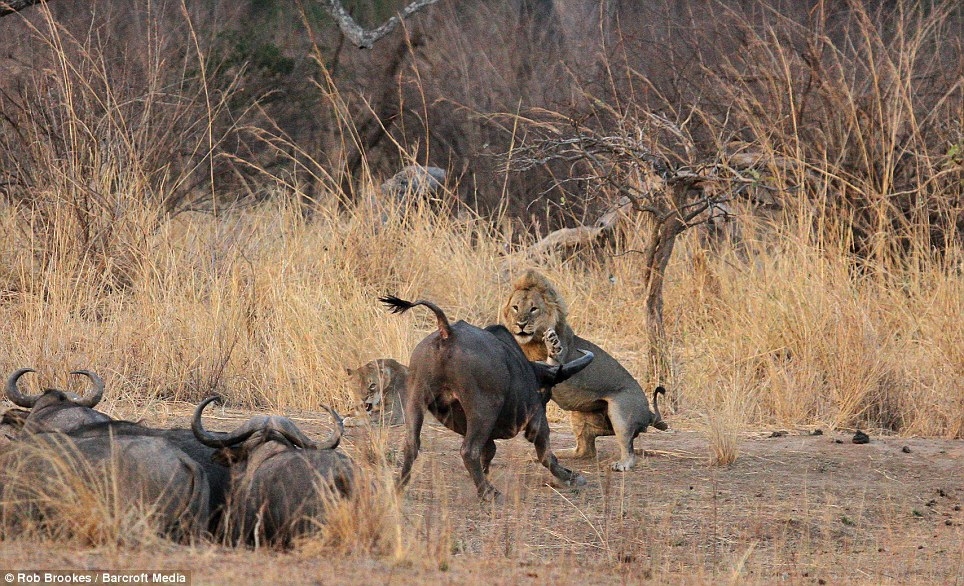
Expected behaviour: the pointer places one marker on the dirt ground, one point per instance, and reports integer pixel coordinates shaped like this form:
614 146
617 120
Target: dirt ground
794 508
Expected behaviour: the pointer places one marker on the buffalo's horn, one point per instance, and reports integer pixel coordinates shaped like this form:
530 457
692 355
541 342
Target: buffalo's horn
294 435
335 438
570 368
217 440
287 429
94 397
14 394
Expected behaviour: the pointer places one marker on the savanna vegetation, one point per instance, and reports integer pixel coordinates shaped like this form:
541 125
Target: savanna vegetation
186 196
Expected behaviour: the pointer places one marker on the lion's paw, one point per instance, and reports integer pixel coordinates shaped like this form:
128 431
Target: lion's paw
624 465
553 345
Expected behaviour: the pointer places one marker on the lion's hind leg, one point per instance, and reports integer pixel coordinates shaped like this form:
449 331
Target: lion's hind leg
624 416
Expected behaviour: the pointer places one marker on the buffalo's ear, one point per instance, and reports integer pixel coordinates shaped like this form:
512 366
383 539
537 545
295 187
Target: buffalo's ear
15 418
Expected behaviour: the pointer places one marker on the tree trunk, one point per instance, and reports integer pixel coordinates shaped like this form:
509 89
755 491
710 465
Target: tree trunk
658 255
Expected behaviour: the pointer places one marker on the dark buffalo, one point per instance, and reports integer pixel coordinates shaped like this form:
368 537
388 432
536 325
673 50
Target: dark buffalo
281 481
51 476
218 475
53 409
478 383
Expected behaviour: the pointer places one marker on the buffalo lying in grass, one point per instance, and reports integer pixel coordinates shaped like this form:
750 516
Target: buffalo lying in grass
53 409
100 488
478 383
218 475
61 411
281 481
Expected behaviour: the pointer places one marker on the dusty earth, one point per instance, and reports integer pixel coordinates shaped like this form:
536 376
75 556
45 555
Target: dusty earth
793 508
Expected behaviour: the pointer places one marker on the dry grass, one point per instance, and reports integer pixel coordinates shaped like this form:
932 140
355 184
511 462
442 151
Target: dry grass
817 316
268 310
53 492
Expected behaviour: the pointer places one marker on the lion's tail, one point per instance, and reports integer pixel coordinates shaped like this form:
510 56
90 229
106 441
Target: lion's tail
658 422
396 305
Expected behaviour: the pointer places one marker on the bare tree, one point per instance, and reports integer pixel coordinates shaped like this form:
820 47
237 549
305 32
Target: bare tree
8 7
365 39
361 37
623 168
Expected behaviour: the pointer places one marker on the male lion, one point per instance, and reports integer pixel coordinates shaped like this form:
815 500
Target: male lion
603 399
379 386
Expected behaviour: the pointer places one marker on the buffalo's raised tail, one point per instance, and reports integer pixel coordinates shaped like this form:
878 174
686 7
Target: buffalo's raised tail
397 305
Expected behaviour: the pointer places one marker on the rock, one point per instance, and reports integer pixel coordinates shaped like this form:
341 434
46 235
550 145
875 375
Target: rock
414 181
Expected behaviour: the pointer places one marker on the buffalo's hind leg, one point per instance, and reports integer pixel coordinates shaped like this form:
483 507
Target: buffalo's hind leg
472 450
537 432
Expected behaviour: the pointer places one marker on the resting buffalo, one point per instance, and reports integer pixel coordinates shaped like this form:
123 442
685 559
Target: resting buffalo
478 383
281 481
217 474
50 476
54 410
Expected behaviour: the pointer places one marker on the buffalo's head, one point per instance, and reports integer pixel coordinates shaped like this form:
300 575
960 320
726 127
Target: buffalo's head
263 430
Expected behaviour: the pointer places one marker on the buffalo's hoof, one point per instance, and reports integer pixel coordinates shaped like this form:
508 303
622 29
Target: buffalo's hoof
491 495
577 480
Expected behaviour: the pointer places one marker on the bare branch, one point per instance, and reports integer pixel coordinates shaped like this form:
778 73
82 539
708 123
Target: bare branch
362 38
8 7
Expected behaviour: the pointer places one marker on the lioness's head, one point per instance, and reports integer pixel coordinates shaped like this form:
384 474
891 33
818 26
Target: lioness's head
532 308
376 387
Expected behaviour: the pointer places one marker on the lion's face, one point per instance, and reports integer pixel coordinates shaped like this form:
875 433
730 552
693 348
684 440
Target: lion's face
376 386
527 315
369 382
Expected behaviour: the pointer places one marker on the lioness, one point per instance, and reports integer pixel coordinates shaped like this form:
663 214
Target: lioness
379 387
603 399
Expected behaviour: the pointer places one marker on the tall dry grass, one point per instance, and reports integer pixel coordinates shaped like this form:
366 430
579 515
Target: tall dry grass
812 317
268 310
267 307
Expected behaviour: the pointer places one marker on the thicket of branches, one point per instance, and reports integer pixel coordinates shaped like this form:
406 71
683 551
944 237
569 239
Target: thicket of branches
852 107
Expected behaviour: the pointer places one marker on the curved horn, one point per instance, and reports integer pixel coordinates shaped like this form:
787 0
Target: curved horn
14 394
572 367
287 429
220 440
294 435
658 422
335 438
92 398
